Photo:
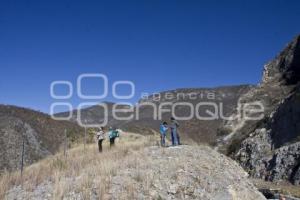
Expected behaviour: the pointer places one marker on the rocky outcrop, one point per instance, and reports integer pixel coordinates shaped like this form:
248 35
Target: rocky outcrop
285 67
185 172
253 153
284 122
261 161
285 163
273 152
269 148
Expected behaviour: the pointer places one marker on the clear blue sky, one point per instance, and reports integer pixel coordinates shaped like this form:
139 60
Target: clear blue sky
159 45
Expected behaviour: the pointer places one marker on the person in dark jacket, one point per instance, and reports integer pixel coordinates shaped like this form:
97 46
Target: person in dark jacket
174 132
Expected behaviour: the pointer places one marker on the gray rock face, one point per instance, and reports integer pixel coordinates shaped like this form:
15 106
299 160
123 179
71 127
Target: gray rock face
296 178
253 153
273 165
285 163
269 148
284 122
273 152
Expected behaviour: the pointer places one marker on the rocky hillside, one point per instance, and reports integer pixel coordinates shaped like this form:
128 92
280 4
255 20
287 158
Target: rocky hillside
134 170
270 148
43 136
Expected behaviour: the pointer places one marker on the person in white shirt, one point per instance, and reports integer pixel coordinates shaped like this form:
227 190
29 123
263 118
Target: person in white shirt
100 137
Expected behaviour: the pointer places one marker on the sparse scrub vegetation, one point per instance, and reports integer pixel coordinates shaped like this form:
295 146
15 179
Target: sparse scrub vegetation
83 172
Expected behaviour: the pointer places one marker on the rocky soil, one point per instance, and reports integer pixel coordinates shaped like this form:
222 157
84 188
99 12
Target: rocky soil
184 173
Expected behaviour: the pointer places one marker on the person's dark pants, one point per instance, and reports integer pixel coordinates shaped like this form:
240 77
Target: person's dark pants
100 145
112 142
163 140
178 139
174 137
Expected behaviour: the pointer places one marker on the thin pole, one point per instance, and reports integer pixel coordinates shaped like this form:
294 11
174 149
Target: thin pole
84 137
85 134
65 145
23 152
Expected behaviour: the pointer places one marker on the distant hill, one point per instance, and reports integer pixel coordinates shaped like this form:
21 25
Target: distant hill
43 136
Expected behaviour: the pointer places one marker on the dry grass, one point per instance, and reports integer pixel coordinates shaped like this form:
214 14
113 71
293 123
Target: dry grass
90 168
